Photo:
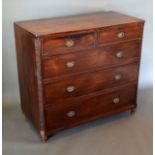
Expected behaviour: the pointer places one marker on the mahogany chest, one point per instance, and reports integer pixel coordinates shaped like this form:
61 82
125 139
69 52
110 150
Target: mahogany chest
76 69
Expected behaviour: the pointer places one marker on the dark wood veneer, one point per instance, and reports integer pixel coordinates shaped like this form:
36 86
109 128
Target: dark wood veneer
76 69
26 59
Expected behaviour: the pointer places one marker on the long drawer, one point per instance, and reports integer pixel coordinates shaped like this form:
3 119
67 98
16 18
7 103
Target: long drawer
90 59
74 86
76 112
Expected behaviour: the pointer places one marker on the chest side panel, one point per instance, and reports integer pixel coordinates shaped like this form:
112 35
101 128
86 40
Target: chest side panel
26 62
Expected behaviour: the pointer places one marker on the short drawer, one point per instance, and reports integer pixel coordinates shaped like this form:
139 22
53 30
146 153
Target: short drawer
120 33
60 116
69 43
107 56
74 86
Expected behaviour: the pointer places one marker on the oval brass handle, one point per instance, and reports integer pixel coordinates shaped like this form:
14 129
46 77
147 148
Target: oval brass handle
69 43
70 64
119 54
120 34
116 100
118 77
70 89
71 113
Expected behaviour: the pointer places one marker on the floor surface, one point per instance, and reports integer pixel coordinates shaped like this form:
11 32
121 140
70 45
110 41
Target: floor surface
123 134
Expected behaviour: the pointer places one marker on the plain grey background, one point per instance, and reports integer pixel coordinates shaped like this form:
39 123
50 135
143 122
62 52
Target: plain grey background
15 10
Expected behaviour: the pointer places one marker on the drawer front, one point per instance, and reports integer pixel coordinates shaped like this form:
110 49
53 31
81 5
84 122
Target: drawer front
60 116
82 84
68 44
82 61
120 33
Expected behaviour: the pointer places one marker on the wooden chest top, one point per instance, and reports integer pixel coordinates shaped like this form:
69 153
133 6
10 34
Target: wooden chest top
43 27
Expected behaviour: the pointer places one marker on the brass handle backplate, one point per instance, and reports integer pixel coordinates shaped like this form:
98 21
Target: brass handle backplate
70 89
118 77
119 54
116 100
71 113
120 34
69 43
70 64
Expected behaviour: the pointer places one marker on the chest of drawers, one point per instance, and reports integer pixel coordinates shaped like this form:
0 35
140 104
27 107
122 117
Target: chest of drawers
76 69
